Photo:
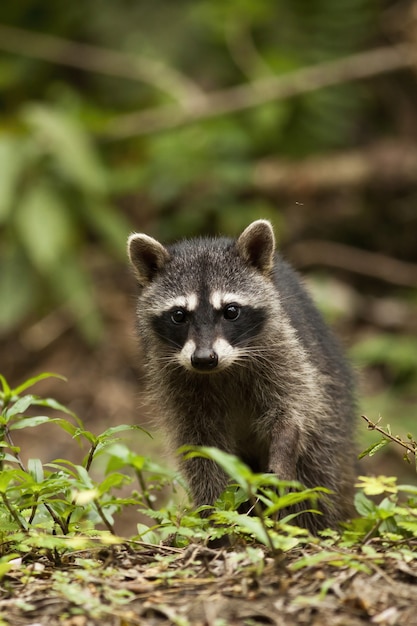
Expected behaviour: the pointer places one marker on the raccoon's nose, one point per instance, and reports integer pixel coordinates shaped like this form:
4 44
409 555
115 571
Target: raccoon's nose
204 359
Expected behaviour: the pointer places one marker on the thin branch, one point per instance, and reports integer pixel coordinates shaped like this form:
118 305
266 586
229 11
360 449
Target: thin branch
341 256
410 448
102 60
243 51
387 164
196 105
217 103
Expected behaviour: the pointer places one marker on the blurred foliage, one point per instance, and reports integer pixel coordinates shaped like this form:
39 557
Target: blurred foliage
62 188
392 358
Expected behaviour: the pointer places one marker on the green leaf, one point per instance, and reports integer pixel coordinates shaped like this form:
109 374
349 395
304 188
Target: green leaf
118 429
408 525
45 226
35 379
230 463
91 437
375 485
51 403
364 505
246 523
20 406
373 448
35 469
113 480
6 477
85 477
6 393
31 422
64 138
292 498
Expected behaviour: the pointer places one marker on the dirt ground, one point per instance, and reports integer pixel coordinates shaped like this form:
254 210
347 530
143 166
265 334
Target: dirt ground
202 587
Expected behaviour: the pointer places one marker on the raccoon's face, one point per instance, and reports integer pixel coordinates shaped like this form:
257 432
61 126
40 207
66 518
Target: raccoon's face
208 332
204 300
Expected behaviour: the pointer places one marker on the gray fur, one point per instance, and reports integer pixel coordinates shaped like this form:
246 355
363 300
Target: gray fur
285 405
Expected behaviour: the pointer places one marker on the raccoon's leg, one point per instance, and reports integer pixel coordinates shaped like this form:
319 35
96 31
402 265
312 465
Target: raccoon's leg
206 480
284 450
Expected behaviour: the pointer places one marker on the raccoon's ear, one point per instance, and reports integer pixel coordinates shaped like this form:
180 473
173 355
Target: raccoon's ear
256 245
147 257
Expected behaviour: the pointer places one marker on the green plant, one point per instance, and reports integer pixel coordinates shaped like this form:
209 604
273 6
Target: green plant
409 447
57 504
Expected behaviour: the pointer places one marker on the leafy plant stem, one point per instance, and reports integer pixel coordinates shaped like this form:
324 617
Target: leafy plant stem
33 513
91 456
373 426
59 522
12 512
104 518
142 484
16 455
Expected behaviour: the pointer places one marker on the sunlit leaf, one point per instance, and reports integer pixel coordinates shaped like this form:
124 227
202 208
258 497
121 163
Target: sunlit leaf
5 386
35 379
20 406
31 422
35 469
230 463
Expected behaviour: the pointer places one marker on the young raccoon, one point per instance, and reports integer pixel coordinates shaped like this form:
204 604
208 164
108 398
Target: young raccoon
238 357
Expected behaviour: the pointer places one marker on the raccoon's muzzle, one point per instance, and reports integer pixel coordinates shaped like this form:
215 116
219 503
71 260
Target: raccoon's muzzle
204 359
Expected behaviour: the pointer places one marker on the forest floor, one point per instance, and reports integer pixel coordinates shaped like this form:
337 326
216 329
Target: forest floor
197 586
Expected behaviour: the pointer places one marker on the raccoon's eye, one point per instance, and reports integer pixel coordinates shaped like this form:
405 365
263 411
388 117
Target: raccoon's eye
231 312
178 316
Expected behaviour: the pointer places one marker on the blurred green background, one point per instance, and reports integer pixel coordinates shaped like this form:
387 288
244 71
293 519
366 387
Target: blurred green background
189 117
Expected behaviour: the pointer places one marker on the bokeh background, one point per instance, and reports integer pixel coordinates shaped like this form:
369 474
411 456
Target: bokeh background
198 116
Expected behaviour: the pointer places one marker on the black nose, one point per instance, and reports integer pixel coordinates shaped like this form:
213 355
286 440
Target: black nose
204 359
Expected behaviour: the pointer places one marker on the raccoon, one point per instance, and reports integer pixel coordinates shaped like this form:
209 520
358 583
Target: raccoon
238 357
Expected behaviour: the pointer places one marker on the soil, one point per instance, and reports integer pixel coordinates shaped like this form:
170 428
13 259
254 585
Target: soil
157 586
